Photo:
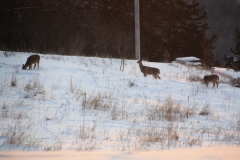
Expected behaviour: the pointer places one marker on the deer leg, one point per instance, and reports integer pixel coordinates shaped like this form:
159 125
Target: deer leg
213 84
34 66
217 84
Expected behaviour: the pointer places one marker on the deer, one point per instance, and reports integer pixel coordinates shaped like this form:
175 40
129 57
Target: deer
33 59
211 78
155 72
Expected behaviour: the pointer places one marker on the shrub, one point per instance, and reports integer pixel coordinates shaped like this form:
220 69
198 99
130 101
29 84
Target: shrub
205 110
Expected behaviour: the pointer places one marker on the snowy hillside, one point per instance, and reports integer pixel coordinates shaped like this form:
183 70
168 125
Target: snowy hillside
87 103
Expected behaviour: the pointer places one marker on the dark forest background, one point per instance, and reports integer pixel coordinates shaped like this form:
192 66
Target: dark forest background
173 28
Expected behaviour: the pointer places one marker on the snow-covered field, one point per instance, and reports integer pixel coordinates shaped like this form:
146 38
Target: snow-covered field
88 104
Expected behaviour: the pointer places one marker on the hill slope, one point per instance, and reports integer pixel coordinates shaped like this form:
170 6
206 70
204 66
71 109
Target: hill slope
87 103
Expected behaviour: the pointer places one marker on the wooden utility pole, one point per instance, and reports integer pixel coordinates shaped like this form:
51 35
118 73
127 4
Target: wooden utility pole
137 30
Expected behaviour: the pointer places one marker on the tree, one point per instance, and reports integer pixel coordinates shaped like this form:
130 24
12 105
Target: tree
102 34
236 50
223 18
166 56
177 26
107 17
207 45
122 44
228 61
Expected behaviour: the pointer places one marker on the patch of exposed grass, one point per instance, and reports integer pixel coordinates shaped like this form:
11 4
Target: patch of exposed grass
170 110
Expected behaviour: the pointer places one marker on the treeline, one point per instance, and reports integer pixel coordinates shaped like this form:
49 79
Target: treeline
224 21
106 28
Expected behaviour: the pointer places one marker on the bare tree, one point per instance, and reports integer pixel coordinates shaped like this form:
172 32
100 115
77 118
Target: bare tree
122 43
77 45
166 56
102 34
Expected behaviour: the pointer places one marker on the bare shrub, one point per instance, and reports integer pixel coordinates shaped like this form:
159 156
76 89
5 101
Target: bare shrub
205 110
96 101
131 83
13 81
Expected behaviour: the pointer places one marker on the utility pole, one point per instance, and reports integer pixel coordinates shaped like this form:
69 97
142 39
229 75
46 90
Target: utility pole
137 30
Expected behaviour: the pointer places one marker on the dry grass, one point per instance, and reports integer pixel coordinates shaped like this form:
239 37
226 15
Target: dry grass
235 82
34 87
8 54
19 135
170 110
194 78
98 101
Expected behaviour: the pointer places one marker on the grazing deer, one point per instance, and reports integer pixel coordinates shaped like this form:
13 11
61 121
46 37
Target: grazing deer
33 59
211 78
149 70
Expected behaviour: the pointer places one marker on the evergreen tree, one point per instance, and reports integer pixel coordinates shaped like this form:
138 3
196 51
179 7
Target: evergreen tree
207 45
236 50
228 61
177 26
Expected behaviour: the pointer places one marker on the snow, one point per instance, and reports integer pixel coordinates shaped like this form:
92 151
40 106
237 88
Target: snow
187 59
206 153
87 104
193 61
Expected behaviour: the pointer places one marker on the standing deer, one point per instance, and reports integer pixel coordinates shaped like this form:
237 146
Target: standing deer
33 59
149 70
211 78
